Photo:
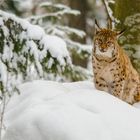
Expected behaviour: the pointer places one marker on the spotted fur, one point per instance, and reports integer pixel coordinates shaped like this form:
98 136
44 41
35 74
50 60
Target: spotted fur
113 71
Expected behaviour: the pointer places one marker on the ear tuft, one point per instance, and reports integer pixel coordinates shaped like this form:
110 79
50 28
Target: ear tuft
97 27
119 33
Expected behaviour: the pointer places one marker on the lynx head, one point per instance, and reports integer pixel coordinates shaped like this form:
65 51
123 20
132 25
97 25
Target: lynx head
105 41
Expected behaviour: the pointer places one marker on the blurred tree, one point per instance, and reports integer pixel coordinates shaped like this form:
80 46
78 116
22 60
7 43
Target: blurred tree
10 5
79 21
127 15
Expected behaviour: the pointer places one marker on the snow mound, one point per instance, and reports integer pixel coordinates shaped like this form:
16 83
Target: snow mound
48 110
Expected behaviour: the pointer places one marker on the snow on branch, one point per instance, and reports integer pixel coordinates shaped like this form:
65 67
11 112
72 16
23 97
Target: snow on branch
79 73
59 7
58 13
26 51
83 50
70 30
65 32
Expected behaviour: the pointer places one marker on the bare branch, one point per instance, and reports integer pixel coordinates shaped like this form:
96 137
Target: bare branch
110 20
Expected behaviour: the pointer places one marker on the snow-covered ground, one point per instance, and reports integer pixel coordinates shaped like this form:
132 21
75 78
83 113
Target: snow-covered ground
48 110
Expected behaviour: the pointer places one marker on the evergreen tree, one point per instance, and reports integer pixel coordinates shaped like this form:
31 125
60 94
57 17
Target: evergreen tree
28 53
53 20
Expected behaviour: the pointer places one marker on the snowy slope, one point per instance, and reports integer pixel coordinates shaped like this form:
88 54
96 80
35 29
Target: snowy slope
71 111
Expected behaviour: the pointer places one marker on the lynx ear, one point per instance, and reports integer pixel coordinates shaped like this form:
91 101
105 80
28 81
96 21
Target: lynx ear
97 27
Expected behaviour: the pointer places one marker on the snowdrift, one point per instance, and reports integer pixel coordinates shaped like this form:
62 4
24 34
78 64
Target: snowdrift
48 110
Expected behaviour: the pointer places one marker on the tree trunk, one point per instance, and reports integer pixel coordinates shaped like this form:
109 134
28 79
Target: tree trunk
78 22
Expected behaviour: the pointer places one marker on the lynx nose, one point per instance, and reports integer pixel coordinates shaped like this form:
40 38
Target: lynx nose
103 49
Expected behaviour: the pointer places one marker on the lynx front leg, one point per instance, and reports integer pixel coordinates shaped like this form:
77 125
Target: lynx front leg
101 84
117 88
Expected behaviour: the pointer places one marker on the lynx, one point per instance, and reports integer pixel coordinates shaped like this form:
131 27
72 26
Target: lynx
113 71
